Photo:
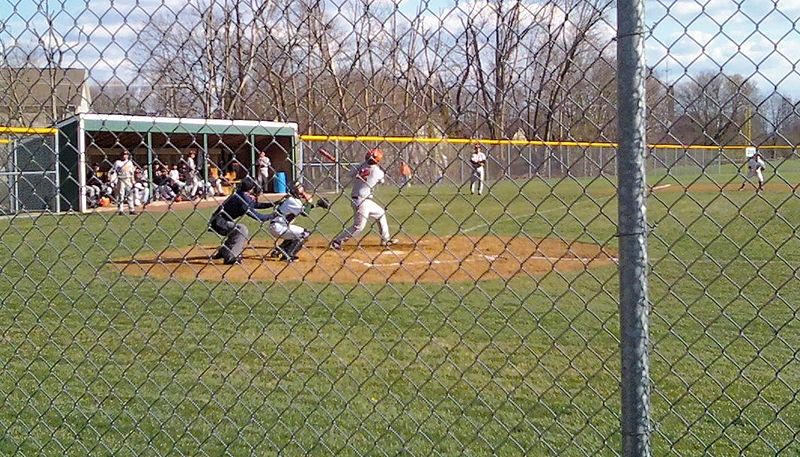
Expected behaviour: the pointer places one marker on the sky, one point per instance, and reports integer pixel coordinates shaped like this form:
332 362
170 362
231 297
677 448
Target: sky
754 38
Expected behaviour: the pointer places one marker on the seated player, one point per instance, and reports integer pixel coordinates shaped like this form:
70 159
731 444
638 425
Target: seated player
297 203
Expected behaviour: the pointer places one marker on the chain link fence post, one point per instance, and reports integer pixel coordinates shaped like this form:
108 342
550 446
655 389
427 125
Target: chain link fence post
634 306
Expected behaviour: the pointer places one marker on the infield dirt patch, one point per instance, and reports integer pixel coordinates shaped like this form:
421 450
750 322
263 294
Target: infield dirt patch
429 260
729 187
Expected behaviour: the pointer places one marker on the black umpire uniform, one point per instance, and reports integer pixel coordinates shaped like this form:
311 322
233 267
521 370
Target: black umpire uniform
223 221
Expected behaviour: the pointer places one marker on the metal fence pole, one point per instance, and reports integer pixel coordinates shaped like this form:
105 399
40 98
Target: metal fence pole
336 166
509 175
633 305
15 176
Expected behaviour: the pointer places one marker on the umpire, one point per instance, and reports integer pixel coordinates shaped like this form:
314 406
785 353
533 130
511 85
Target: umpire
243 202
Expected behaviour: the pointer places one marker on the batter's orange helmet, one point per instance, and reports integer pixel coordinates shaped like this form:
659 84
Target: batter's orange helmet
374 156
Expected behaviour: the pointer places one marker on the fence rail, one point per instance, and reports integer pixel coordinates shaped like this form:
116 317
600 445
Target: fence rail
522 161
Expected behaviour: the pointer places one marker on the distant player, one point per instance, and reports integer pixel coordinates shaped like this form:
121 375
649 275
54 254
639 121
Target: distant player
365 177
478 162
755 166
405 172
297 203
192 178
125 169
224 220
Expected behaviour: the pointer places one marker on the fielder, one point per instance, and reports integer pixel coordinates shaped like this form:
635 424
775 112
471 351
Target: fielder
124 169
223 221
297 203
365 177
755 165
478 162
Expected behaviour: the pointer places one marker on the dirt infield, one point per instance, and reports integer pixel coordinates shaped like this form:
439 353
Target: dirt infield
427 260
731 187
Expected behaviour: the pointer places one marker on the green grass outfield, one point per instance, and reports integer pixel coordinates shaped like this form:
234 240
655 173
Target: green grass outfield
95 363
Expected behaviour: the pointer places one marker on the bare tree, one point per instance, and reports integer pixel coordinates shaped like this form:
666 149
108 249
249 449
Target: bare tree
364 66
208 55
716 109
781 118
118 97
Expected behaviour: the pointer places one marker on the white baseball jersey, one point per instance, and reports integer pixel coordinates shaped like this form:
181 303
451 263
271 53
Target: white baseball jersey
281 224
190 165
264 163
755 163
477 159
290 208
365 178
124 169
175 175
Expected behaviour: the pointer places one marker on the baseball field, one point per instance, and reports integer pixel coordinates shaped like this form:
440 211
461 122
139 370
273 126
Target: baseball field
491 329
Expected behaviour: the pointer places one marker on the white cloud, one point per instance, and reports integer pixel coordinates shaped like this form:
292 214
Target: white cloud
738 37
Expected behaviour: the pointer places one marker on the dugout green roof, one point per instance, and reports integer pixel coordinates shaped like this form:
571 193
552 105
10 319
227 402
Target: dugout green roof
125 123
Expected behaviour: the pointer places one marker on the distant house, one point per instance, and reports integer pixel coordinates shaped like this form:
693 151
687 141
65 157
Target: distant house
39 97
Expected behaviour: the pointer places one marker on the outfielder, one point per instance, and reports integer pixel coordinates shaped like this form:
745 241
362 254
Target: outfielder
297 203
365 177
125 169
755 165
223 221
478 162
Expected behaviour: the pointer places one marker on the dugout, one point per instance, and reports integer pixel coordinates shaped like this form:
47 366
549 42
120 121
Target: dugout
229 147
28 172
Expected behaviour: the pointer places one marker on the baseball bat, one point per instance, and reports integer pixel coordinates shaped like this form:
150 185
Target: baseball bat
326 154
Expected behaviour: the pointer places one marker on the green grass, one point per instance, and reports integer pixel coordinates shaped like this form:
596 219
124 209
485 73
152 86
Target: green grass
97 363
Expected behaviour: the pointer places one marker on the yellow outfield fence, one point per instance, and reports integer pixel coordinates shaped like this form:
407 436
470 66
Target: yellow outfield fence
5 130
447 159
514 142
8 130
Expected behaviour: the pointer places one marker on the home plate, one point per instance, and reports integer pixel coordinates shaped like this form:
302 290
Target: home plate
392 251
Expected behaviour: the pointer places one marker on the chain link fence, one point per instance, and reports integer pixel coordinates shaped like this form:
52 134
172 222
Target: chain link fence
447 162
528 309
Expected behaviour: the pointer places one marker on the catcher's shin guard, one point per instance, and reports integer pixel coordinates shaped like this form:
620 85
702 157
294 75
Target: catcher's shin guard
294 247
280 251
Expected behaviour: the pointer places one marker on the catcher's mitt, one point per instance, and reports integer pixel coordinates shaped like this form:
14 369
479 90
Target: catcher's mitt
323 203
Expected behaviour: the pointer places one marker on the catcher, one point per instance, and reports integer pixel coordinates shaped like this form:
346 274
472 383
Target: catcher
224 220
365 177
297 202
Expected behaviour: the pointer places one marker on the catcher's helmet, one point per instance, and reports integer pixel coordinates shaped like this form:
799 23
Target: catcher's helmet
374 156
249 184
295 189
